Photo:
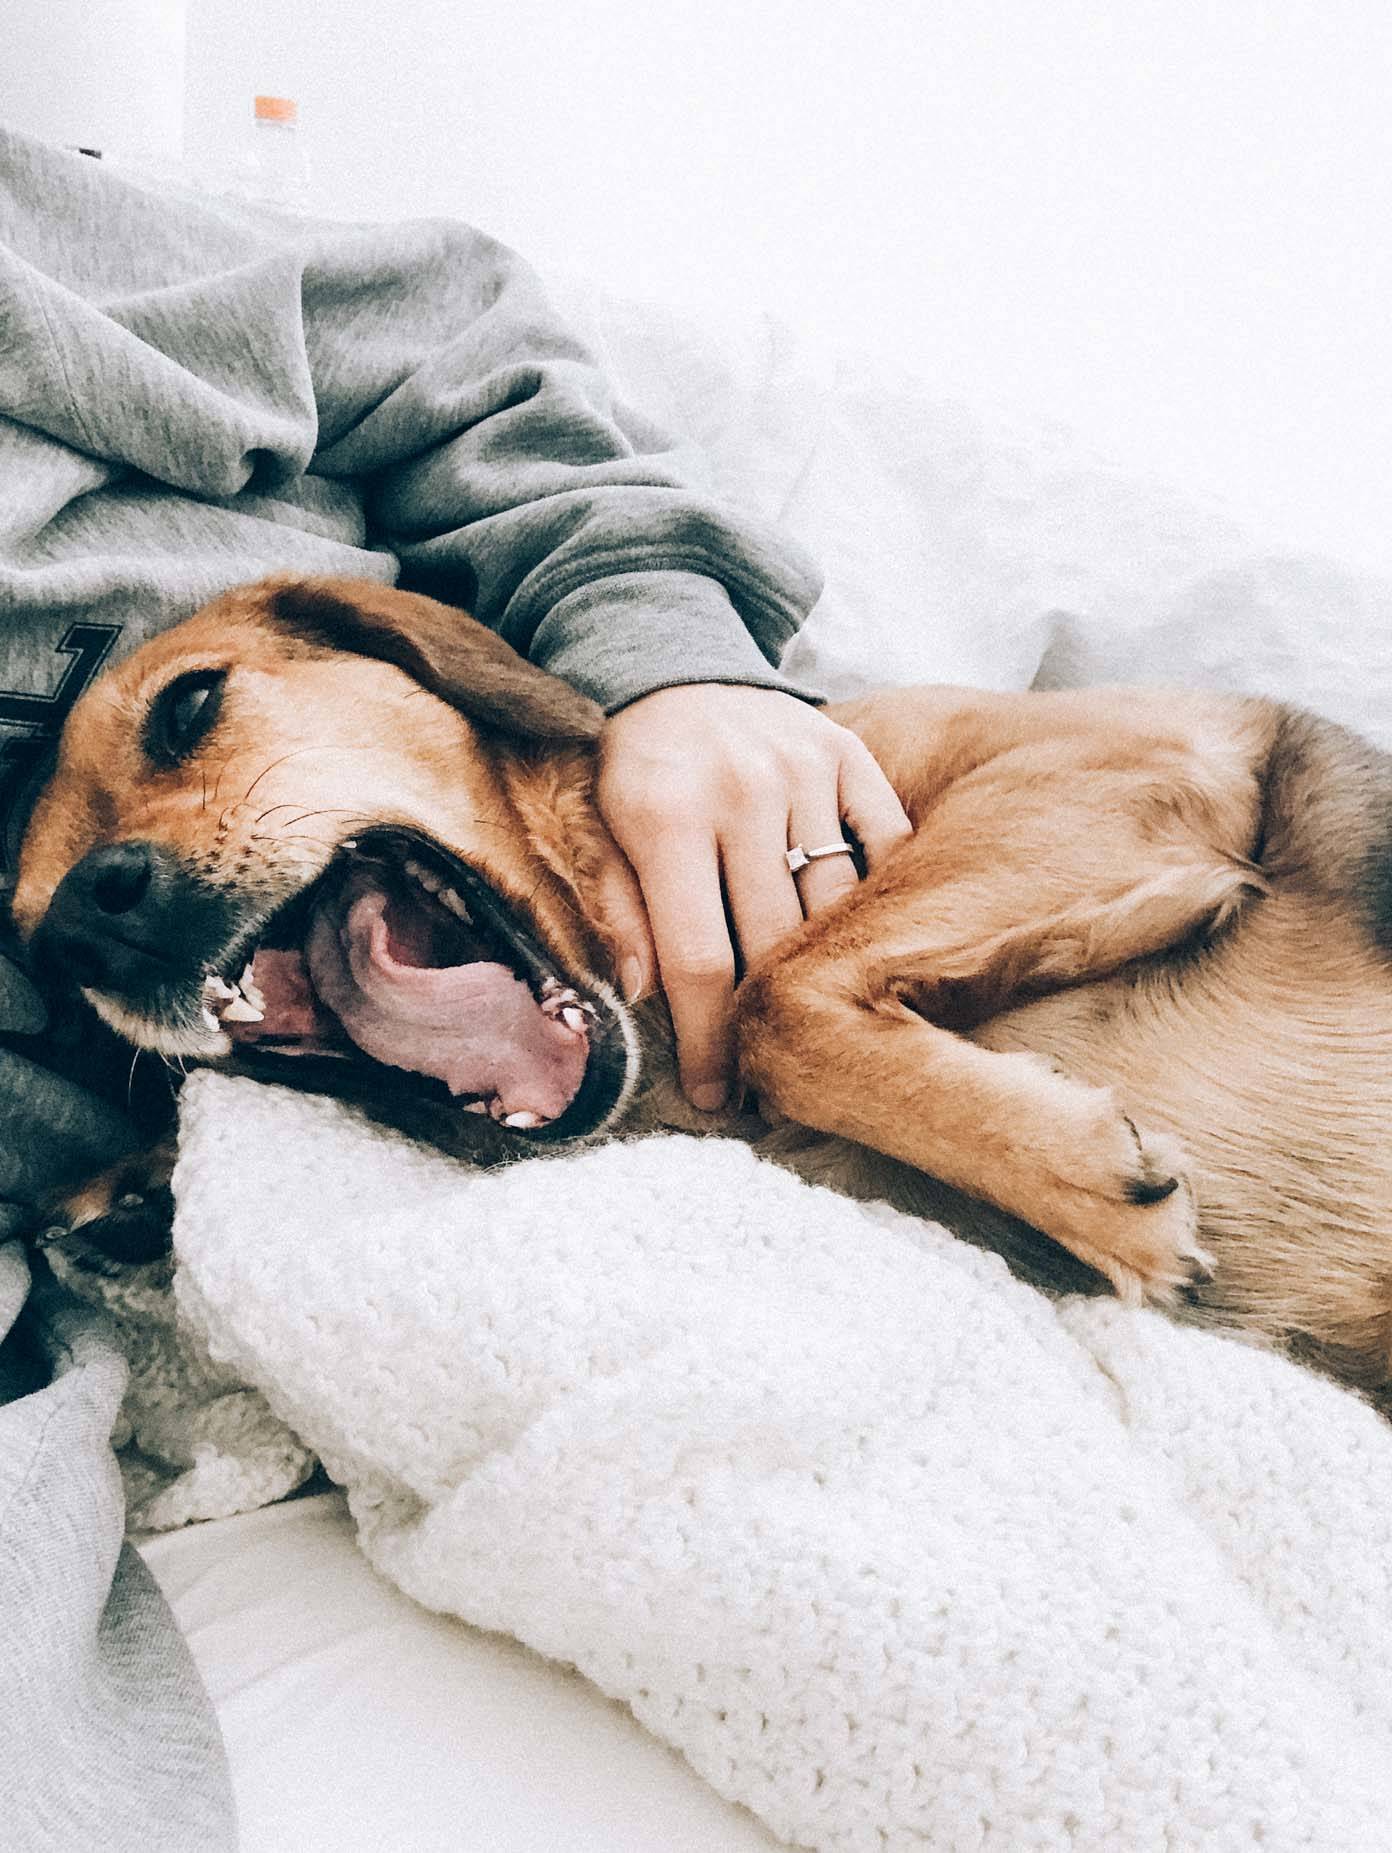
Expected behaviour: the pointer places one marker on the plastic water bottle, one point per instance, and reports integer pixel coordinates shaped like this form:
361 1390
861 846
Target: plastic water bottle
280 173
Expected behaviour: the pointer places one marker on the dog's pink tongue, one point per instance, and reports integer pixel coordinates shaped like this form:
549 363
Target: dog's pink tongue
475 1027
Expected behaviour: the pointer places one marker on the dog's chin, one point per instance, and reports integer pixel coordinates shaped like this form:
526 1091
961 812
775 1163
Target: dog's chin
178 1037
402 979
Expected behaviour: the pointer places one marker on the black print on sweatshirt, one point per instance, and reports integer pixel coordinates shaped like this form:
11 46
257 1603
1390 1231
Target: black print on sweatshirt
29 726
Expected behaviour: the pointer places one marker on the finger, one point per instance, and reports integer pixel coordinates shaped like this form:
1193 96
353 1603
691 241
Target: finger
624 919
827 878
763 898
869 804
680 877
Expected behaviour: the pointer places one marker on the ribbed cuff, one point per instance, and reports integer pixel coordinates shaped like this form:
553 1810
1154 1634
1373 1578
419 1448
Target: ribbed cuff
619 638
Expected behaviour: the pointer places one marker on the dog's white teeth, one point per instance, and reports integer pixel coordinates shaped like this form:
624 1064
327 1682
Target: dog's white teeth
558 1000
423 877
435 885
475 1106
525 1119
242 1010
241 1002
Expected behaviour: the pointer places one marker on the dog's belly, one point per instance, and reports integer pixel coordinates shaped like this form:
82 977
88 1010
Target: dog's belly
1269 1056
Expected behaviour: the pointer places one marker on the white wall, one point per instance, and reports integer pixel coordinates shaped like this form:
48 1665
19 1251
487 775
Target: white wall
103 74
1164 221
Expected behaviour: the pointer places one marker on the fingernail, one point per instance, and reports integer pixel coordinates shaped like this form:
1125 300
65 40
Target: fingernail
631 977
709 1096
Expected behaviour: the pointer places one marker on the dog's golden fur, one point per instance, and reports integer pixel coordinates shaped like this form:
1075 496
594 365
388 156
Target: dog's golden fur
1127 982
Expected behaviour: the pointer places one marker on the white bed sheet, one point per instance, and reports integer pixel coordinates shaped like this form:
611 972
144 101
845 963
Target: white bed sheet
357 1722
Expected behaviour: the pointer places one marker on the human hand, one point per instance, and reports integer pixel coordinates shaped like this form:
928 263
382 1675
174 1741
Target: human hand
705 787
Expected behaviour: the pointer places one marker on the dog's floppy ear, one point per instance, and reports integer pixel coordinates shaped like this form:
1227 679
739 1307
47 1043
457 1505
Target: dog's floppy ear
445 650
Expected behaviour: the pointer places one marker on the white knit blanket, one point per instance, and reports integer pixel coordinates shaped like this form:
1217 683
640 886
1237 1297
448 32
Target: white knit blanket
897 1552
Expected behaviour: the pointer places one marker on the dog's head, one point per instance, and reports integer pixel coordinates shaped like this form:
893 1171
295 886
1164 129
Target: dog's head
342 835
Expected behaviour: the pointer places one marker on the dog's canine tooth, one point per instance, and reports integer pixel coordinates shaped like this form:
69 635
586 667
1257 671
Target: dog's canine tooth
575 1019
242 1010
525 1119
252 991
474 1106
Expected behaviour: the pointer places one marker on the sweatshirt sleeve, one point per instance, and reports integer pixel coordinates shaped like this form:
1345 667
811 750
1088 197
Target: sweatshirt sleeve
505 476
408 388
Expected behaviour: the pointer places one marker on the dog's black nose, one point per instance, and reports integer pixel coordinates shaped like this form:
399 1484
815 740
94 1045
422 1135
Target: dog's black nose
131 919
118 876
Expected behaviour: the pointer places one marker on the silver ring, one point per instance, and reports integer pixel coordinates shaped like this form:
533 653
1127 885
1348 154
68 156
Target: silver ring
797 858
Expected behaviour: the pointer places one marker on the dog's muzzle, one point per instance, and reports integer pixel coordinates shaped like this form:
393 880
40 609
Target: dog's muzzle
131 918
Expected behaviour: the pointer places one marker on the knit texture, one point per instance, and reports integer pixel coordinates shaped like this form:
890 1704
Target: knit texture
896 1551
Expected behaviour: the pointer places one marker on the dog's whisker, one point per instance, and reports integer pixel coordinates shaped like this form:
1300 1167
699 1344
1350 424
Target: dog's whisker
266 771
298 753
326 810
297 836
357 817
365 818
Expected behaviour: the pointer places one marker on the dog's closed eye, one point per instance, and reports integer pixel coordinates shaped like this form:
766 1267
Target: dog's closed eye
182 715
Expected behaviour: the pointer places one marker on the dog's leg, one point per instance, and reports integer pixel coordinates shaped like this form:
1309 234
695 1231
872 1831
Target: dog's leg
122 1217
844 1027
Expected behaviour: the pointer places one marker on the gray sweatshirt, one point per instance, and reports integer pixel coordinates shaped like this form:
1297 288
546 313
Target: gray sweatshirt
192 395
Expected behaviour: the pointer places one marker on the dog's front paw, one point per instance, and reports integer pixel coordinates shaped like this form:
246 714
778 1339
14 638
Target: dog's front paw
122 1218
1142 1233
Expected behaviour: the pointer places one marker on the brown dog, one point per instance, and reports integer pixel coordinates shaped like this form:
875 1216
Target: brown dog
343 835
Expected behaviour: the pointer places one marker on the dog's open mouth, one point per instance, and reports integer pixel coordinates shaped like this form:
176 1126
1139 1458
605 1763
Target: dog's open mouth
404 958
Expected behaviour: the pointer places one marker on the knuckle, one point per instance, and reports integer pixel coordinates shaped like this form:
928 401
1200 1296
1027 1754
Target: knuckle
806 763
701 968
751 776
640 820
